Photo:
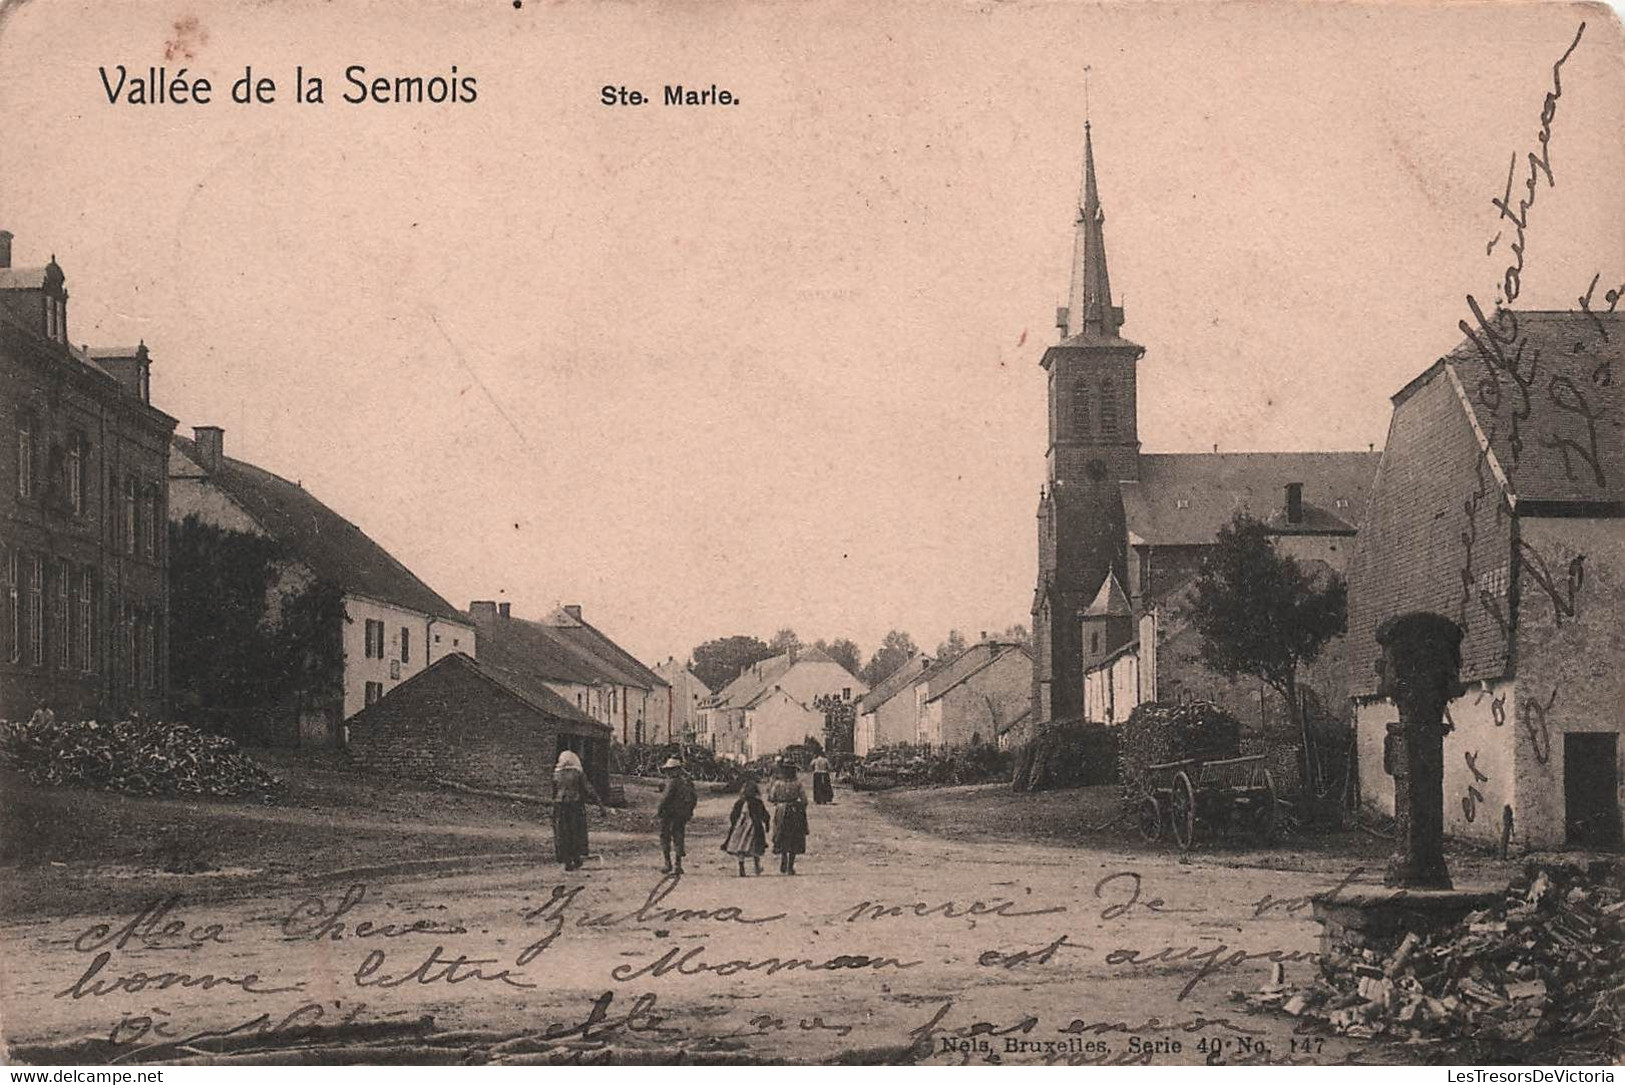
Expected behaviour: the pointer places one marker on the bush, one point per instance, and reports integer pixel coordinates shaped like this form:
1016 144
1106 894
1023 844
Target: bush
642 759
134 756
1156 733
1067 755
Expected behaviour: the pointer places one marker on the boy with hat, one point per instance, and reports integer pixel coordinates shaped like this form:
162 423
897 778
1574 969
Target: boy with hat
677 801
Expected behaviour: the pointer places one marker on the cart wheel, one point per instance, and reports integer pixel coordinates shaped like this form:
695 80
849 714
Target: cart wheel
1150 819
1269 816
1183 810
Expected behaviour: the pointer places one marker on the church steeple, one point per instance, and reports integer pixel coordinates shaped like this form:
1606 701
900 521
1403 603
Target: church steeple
1090 312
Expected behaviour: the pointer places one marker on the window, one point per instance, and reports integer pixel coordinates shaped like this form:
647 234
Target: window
74 469
129 515
1080 411
132 646
846 693
36 611
86 637
14 623
149 523
25 456
1108 409
1181 503
64 638
1342 502
406 645
375 639
149 651
374 691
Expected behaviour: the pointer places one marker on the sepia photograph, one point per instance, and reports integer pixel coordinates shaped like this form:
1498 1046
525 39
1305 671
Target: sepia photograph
730 533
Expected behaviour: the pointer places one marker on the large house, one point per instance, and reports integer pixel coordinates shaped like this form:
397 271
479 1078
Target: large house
683 713
1498 505
83 496
1121 532
888 715
582 665
972 698
393 624
771 704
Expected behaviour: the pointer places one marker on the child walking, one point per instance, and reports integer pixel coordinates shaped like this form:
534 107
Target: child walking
747 828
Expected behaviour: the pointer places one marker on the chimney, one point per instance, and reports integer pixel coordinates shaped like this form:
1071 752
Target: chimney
573 610
5 248
1062 319
483 610
983 636
211 446
505 609
1294 502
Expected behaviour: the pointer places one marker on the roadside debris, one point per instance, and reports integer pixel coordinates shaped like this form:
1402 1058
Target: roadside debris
1548 961
134 756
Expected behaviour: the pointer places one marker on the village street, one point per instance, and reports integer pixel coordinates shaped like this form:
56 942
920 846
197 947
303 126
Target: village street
924 938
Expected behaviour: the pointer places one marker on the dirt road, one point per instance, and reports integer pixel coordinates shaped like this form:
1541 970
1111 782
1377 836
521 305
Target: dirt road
888 944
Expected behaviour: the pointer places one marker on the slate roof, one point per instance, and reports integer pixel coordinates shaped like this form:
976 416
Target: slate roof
758 680
969 663
895 682
332 547
526 689
1572 415
24 278
593 644
1214 486
527 648
1111 601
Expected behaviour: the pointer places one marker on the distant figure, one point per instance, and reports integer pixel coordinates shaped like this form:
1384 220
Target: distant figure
747 828
789 817
823 792
571 790
676 807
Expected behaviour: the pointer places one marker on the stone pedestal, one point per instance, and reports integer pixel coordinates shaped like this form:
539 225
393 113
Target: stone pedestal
1360 919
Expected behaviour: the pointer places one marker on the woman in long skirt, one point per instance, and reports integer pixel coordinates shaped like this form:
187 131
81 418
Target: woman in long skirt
571 790
789 817
748 828
823 790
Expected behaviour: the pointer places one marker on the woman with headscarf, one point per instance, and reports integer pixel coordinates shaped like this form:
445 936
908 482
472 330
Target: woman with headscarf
823 792
571 790
789 817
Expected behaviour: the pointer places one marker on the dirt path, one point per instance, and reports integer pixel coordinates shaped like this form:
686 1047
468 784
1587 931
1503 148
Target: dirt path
903 938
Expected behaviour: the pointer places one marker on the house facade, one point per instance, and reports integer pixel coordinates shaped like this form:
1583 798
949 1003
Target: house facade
83 498
1126 531
770 704
682 722
974 698
888 714
393 624
1498 505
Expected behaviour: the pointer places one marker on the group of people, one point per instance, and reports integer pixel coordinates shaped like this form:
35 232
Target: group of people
751 827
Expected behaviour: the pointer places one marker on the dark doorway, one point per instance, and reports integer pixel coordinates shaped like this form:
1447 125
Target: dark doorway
1591 790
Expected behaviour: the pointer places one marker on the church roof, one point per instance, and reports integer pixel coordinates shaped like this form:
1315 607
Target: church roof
1111 601
1183 499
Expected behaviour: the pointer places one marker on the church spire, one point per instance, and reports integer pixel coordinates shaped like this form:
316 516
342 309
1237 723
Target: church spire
1090 311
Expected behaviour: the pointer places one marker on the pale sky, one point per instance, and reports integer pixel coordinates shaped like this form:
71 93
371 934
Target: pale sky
714 371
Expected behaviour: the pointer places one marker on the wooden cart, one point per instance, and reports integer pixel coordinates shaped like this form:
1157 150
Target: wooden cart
1236 792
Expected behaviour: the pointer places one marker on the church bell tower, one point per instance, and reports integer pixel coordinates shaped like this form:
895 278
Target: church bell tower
1093 444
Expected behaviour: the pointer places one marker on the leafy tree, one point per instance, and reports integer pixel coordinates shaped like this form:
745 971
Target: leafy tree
952 648
718 662
840 722
842 651
896 648
783 641
1261 612
1017 634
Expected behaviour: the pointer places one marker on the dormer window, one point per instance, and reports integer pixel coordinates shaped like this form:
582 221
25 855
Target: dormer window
56 318
1182 503
1342 502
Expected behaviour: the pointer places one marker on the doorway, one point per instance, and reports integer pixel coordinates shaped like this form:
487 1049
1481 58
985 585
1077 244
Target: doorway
1591 790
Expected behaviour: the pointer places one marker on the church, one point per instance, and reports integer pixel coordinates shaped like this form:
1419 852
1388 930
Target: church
1122 533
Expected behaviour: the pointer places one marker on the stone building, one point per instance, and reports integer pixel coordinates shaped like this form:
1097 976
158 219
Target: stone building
83 504
887 714
770 705
1122 532
973 698
1498 504
683 706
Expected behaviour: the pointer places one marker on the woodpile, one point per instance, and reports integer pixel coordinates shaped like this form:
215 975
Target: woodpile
1546 963
139 757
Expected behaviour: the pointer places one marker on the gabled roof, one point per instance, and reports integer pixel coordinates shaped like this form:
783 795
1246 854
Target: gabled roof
531 692
755 681
333 548
897 681
1561 442
1111 601
531 650
1183 499
580 635
972 661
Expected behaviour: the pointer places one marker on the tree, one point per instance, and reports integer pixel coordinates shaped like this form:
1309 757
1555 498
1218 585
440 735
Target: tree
1017 634
1262 613
783 641
842 651
896 648
952 648
718 662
